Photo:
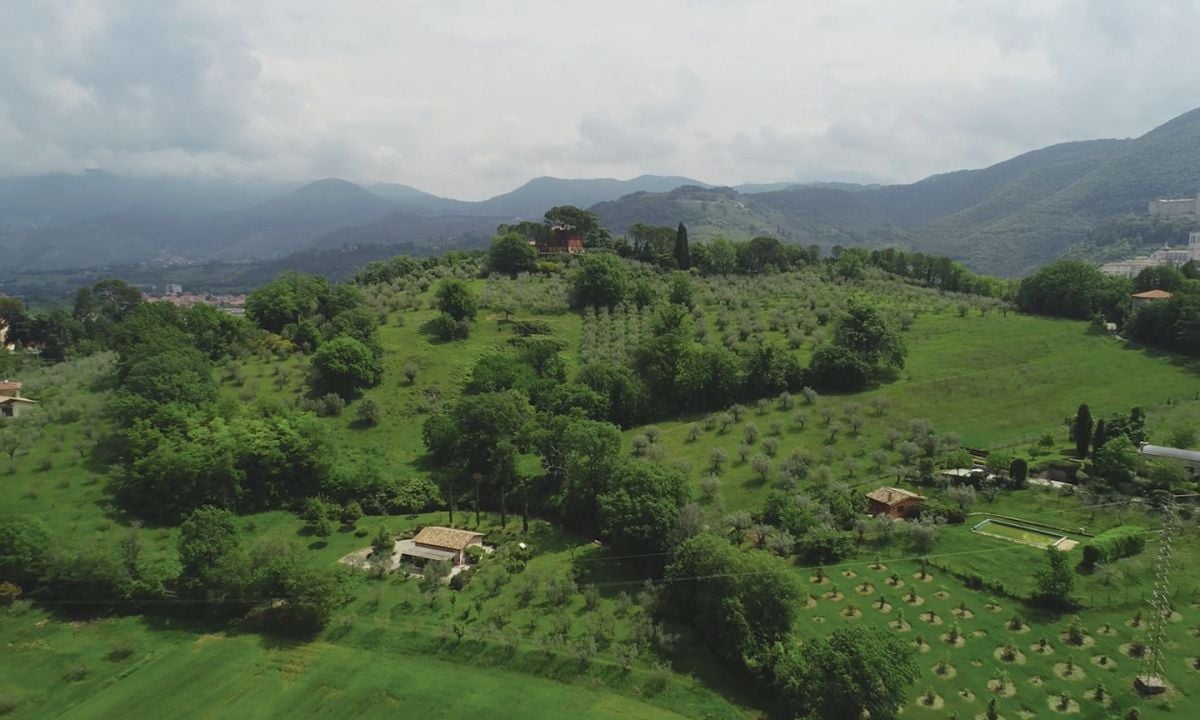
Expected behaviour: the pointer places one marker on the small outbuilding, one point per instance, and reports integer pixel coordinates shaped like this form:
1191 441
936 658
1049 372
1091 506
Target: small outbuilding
894 502
439 543
11 402
1190 459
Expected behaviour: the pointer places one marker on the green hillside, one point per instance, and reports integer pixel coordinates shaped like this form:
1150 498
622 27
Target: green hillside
568 624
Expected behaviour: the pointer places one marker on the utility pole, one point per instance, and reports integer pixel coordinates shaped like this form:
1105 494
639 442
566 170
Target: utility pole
1151 681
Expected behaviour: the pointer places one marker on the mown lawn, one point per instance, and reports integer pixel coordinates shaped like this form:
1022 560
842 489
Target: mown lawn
186 676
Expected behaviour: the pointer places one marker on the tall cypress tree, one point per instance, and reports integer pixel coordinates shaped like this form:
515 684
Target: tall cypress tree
1081 430
1101 435
683 256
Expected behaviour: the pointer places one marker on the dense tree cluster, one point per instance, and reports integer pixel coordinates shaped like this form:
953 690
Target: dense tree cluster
333 321
1073 289
749 625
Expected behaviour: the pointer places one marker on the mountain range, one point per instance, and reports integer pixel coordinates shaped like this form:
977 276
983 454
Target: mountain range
1004 219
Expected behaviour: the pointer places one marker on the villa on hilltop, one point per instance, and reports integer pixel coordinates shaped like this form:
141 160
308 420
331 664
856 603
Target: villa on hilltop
561 239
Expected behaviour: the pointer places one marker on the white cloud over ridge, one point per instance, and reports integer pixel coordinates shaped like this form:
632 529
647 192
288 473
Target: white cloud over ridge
471 98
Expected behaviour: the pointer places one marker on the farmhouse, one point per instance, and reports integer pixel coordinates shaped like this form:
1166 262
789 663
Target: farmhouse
439 543
1190 459
11 402
894 502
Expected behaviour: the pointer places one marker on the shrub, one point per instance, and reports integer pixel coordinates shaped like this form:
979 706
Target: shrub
1119 542
369 413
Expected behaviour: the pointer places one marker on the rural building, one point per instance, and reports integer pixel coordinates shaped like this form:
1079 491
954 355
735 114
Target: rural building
894 502
1190 459
562 239
11 402
439 543
1145 298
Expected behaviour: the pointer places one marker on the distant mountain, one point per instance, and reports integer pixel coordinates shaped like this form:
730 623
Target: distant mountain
417 230
1046 211
289 223
806 215
30 202
1005 219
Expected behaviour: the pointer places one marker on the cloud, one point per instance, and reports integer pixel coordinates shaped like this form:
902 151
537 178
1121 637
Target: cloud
471 99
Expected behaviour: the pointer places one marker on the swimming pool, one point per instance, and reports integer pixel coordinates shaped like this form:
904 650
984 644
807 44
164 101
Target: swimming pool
1018 533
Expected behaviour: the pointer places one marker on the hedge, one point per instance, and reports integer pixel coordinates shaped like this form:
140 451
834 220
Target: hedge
1121 541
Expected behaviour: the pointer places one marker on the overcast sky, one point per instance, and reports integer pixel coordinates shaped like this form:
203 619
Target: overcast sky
469 99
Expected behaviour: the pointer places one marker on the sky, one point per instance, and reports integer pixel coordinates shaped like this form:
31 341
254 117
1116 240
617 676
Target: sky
471 99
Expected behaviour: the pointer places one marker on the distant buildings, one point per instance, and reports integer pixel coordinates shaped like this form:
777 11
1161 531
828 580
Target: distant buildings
1175 207
172 289
231 304
1162 256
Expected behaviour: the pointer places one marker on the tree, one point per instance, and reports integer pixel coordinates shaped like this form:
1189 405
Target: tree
707 587
345 365
683 257
24 547
852 671
1055 581
1116 462
720 257
286 299
1018 470
865 332
511 253
584 222
836 369
208 550
639 509
1100 436
455 298
1081 430
601 281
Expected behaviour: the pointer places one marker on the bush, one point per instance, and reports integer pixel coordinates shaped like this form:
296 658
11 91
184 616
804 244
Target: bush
1122 541
474 554
369 413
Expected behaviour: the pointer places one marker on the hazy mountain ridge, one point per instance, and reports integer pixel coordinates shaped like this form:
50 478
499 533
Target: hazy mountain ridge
1006 218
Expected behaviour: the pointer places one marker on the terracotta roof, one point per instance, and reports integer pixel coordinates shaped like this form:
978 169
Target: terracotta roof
1153 295
449 538
9 385
893 496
